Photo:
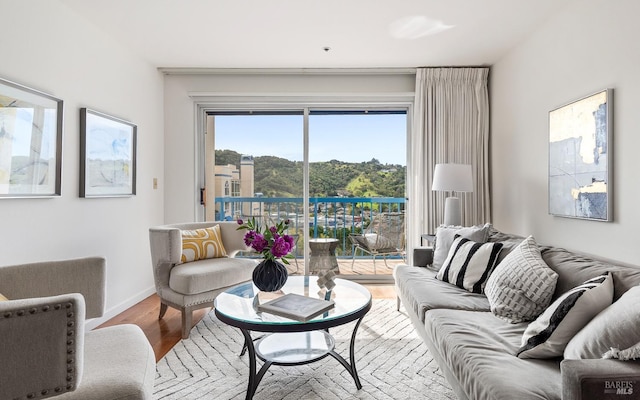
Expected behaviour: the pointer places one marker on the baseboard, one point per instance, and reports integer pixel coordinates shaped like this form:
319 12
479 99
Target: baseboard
113 311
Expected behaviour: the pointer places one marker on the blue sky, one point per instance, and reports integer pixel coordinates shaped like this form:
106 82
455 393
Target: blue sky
350 138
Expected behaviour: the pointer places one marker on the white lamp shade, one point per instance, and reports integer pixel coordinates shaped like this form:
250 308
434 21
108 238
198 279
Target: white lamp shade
452 178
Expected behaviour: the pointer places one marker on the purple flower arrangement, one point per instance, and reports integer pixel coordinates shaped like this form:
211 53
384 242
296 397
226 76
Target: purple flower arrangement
272 242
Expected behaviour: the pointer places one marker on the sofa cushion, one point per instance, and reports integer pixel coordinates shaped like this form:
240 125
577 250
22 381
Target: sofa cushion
445 235
469 263
480 349
549 334
420 292
574 268
200 244
206 275
3 298
616 326
522 285
509 242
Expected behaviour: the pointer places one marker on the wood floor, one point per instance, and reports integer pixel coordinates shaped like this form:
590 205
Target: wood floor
164 333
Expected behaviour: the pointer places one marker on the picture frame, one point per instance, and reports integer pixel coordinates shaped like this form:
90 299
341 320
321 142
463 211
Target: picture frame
581 159
31 125
107 155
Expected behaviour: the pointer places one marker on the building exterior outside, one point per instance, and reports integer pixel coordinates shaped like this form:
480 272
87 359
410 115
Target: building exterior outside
233 182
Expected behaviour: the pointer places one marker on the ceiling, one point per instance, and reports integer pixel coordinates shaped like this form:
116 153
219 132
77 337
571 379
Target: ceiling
294 33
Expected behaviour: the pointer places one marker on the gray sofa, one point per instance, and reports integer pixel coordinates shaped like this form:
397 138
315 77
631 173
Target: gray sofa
476 350
45 351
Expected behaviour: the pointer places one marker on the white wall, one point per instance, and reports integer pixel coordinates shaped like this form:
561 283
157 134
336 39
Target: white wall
586 46
44 45
180 115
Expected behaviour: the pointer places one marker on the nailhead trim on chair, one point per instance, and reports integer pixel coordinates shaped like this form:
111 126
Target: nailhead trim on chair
70 350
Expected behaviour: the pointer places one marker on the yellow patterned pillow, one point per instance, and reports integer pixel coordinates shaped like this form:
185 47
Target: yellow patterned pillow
3 298
204 243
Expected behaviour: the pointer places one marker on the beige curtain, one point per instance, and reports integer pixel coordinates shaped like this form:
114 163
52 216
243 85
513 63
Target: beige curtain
450 125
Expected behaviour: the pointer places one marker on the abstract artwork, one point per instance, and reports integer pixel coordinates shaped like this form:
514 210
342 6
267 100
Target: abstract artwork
580 144
30 142
108 155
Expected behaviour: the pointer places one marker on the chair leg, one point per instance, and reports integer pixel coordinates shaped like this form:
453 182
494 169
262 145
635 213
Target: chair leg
163 310
374 264
353 259
187 319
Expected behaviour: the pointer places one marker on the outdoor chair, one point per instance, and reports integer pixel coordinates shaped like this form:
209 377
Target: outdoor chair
384 236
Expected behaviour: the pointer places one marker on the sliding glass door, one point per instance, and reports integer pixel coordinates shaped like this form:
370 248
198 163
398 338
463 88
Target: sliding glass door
336 174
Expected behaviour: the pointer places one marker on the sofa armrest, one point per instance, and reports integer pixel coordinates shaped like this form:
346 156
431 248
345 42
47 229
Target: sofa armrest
86 276
422 256
600 379
42 344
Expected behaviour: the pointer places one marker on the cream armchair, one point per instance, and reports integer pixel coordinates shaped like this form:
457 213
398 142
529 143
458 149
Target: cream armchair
45 351
190 286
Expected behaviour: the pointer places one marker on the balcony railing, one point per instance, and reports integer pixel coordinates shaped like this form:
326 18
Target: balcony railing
329 217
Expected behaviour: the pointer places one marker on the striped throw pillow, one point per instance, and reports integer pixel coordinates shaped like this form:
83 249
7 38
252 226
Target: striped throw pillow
200 244
469 264
548 335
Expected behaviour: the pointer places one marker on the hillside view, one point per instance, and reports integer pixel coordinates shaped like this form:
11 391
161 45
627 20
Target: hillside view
279 177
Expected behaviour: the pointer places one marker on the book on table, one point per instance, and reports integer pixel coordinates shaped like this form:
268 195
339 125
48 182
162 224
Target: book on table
297 307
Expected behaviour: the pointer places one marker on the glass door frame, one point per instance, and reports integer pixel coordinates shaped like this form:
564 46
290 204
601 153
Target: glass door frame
305 103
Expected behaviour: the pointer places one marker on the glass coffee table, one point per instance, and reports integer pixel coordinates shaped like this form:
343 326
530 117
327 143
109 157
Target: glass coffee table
290 342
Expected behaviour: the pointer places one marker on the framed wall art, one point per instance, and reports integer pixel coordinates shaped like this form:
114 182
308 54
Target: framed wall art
580 158
30 142
107 155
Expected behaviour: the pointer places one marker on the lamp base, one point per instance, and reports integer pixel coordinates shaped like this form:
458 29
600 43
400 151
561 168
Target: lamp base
452 215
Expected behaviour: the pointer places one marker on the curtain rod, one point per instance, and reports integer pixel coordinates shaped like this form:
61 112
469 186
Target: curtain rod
288 71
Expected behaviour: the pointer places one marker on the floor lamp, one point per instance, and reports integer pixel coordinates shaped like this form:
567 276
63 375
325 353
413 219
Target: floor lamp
452 178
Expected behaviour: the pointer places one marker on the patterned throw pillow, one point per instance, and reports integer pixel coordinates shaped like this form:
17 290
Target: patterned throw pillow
3 298
548 335
200 244
469 264
521 286
445 235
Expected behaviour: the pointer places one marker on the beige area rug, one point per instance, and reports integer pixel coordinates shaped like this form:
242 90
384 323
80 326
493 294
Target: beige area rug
392 363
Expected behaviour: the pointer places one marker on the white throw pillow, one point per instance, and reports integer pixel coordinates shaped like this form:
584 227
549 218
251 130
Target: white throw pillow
469 264
548 335
616 326
445 235
378 242
521 287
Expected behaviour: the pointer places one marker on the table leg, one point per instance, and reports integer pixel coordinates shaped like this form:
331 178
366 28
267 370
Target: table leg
254 379
248 342
244 346
351 368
